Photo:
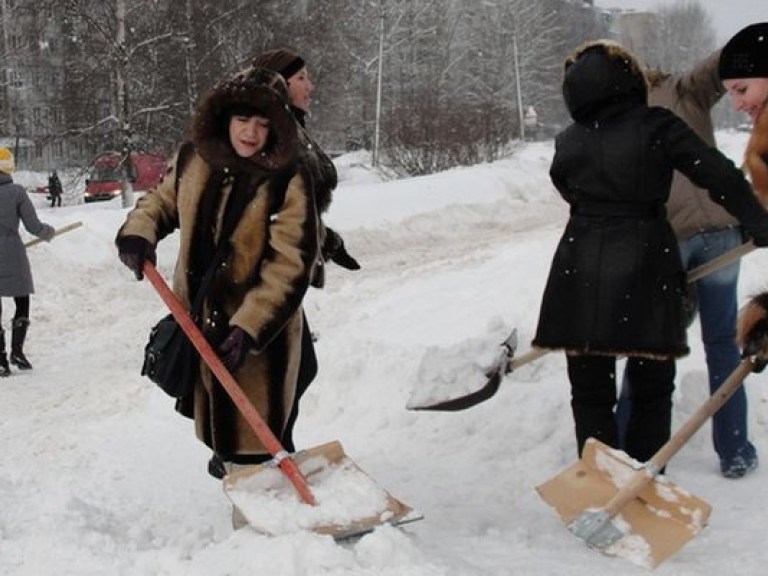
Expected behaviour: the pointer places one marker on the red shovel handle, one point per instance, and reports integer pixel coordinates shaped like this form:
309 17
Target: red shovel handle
262 431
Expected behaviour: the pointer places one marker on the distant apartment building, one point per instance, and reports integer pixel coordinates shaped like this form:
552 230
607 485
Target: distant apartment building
34 121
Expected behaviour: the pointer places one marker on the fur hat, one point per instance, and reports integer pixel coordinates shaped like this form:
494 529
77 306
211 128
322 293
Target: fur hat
746 54
282 60
7 163
257 91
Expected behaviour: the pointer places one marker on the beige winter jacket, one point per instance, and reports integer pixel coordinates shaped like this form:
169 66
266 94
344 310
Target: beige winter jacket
691 96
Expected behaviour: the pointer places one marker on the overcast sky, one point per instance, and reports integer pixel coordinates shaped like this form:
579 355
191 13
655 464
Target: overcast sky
728 16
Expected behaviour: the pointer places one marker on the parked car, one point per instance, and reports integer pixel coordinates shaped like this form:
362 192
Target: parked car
106 174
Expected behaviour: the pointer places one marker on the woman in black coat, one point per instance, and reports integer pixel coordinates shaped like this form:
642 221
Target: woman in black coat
616 284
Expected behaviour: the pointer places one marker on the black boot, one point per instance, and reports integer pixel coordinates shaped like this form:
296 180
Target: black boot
5 370
18 335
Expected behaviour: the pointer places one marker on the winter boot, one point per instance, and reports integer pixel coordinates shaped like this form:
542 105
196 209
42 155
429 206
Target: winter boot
18 335
5 370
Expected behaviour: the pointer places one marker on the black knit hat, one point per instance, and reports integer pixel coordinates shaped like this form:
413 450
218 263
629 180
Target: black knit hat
746 54
281 60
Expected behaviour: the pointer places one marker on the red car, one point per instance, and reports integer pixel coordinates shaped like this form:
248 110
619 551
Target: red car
104 181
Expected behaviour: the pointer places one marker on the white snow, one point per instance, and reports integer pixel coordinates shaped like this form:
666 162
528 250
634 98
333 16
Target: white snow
100 476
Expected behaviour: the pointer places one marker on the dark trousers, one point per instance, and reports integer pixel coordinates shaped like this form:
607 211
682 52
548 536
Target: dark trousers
593 400
22 307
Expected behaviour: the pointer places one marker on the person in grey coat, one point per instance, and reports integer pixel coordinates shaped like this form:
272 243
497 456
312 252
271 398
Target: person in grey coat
15 273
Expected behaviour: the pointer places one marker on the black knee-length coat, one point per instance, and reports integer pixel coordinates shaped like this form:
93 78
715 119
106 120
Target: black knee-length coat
616 282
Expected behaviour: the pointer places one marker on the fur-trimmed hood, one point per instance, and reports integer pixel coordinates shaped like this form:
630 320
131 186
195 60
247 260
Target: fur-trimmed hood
600 74
258 88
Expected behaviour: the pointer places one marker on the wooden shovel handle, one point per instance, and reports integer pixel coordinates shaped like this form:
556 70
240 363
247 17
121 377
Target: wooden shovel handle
58 231
721 261
642 477
251 415
523 359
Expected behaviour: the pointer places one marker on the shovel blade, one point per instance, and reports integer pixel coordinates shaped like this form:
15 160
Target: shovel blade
657 523
349 503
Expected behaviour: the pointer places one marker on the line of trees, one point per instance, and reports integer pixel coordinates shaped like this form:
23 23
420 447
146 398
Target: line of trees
432 83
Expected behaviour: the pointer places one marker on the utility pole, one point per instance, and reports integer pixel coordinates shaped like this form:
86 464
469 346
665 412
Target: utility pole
521 116
377 124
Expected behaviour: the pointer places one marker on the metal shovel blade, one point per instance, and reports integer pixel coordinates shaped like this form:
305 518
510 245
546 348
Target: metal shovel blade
653 526
349 502
493 376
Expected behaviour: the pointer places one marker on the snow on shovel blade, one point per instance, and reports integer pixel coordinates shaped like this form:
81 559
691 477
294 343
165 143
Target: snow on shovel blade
459 378
349 502
653 526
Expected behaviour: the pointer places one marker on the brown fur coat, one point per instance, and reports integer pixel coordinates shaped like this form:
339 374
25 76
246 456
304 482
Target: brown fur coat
266 273
752 327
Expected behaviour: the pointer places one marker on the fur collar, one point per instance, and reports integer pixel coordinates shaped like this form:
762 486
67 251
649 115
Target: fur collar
756 157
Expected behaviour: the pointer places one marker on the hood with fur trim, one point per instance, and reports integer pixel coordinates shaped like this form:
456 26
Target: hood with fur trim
599 75
257 88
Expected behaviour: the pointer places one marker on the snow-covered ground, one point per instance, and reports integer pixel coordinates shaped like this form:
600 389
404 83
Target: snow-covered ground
100 476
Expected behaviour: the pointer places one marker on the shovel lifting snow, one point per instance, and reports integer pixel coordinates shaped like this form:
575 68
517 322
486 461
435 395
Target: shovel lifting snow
506 362
624 510
325 463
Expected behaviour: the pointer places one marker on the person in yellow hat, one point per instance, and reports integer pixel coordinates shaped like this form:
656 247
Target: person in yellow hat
15 273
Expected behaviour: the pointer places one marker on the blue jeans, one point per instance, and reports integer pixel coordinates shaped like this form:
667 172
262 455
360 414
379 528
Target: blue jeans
718 309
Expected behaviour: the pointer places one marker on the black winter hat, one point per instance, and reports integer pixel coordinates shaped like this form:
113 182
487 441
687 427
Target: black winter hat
746 54
284 61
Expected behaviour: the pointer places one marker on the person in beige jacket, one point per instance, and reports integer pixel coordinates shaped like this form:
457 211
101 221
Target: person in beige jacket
705 231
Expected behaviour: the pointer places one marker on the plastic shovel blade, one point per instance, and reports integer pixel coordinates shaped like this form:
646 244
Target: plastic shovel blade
653 526
349 502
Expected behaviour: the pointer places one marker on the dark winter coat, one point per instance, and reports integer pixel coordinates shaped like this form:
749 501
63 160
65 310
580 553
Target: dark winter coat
616 282
54 186
16 207
324 181
264 278
692 96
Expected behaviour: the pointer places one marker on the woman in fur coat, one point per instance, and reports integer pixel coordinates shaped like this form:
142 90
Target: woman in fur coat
240 167
744 70
616 284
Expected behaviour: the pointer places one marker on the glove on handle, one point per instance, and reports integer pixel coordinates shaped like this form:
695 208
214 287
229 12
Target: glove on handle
134 251
234 348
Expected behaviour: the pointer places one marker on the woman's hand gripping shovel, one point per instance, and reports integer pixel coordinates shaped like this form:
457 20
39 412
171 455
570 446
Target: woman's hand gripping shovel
322 470
624 510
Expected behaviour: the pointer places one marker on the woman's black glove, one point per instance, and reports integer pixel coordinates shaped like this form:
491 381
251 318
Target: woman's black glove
134 251
333 249
234 348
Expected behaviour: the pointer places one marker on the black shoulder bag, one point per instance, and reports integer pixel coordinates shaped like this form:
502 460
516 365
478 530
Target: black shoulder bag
170 359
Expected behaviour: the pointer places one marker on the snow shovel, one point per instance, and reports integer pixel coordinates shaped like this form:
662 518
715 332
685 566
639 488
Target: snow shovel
321 461
58 232
619 507
506 362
